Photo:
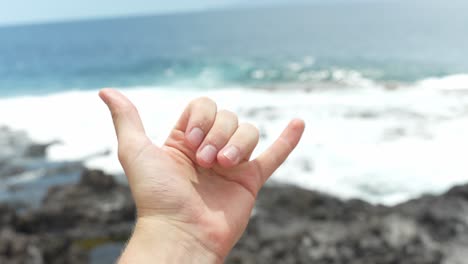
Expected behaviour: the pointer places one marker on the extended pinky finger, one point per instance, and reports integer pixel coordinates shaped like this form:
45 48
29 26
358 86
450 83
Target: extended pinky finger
277 153
240 146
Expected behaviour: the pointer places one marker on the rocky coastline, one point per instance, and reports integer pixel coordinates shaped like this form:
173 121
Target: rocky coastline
289 224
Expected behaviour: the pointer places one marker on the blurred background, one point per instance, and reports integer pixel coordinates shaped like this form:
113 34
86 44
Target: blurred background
381 84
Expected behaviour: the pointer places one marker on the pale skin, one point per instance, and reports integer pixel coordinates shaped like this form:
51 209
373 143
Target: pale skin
194 194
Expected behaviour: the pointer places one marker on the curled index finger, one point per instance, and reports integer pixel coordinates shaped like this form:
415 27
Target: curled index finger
196 120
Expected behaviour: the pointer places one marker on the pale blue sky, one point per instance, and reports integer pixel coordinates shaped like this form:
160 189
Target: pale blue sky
26 11
30 11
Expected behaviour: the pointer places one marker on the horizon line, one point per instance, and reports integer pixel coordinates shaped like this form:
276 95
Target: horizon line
94 18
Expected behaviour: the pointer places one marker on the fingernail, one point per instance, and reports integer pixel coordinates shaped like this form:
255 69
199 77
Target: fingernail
208 153
232 153
195 136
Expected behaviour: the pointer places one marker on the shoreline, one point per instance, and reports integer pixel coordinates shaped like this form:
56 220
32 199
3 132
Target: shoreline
358 143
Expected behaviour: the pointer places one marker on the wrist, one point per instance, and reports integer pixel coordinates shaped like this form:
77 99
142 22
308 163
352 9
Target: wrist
157 241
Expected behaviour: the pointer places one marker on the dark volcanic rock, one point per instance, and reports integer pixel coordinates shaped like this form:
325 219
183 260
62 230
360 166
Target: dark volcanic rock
7 215
37 150
70 219
444 216
292 225
97 180
96 207
289 225
31 249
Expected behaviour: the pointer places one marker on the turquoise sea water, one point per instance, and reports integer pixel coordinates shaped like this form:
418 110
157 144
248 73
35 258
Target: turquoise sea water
384 41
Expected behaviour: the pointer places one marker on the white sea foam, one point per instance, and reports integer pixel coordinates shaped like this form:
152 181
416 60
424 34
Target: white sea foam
382 146
449 83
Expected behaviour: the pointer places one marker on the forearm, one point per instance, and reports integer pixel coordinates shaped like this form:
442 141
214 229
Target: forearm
159 242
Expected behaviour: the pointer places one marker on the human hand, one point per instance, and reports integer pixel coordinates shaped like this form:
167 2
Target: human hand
194 195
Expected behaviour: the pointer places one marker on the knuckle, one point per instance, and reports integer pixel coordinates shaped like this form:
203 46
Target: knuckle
115 115
123 110
217 137
202 101
288 146
202 112
251 129
226 114
122 155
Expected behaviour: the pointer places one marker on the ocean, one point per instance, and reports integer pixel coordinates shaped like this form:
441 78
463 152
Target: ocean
382 87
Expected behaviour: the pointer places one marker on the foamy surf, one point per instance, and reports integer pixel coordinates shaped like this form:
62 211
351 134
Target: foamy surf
378 145
458 82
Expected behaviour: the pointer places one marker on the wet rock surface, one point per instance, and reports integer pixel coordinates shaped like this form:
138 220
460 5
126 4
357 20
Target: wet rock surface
26 173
